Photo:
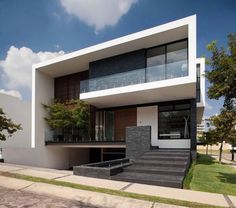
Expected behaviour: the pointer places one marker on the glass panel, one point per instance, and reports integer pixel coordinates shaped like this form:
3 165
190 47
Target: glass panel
174 124
177 60
113 81
156 64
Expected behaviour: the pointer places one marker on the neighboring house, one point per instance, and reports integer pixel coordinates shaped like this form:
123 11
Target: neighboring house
144 89
204 126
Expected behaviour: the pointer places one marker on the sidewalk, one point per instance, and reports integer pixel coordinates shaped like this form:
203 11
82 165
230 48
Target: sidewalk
66 176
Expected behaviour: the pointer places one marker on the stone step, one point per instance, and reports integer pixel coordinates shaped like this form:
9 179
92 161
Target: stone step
163 157
151 179
179 154
156 170
180 164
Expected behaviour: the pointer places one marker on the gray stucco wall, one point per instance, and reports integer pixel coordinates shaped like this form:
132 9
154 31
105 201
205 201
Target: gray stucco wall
117 64
138 141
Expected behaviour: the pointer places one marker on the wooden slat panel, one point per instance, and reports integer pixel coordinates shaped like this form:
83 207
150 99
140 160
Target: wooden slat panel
123 118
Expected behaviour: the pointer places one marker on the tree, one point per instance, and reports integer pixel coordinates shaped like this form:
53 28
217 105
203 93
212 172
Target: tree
222 80
222 77
74 113
224 123
207 138
7 126
59 116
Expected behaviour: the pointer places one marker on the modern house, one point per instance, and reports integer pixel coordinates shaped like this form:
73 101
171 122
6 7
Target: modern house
151 79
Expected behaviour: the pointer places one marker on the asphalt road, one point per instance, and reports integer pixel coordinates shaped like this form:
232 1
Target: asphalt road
15 199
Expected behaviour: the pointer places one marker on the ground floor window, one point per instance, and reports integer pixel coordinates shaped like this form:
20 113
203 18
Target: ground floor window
174 121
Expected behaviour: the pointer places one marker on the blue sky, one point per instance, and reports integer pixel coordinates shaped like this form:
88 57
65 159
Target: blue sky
32 31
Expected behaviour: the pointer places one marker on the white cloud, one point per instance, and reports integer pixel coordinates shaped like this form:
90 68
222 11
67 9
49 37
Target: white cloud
13 93
16 68
98 13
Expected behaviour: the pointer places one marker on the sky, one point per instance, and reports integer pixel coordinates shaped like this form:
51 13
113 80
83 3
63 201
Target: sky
34 31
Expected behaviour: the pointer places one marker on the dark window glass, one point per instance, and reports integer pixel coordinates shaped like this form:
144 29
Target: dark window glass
198 84
174 124
177 60
166 108
182 106
156 64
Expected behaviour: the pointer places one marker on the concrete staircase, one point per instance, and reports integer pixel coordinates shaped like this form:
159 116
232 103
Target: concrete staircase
158 167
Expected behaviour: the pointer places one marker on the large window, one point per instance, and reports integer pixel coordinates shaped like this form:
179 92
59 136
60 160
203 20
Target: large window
174 121
168 61
177 60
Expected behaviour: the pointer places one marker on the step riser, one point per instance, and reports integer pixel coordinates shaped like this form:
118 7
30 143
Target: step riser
163 158
161 165
155 183
155 172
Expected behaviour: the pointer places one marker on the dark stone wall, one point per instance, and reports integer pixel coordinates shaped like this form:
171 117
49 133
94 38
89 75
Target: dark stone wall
138 141
193 125
117 64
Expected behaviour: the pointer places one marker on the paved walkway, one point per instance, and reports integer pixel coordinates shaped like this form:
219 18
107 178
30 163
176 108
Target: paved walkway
172 193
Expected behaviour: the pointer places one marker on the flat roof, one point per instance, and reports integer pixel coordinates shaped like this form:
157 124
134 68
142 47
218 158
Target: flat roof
79 60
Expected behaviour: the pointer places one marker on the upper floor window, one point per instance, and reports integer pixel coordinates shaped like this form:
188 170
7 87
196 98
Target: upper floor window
167 61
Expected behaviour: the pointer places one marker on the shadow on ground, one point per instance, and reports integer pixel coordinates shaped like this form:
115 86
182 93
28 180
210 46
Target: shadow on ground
227 178
205 159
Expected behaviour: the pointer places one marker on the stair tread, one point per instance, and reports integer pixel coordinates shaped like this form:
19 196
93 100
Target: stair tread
164 158
171 169
161 162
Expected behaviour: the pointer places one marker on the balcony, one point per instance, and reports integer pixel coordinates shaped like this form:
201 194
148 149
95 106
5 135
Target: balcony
71 138
138 76
154 84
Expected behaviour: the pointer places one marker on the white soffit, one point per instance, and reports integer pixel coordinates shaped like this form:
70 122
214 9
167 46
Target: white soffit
169 93
79 60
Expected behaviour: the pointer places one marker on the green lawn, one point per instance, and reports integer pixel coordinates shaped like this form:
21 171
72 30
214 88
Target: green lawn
210 176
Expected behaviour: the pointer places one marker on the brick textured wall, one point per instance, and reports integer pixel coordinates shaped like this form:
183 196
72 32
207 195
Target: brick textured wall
138 141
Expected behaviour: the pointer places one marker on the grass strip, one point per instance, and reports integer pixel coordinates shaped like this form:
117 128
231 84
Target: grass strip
108 191
189 176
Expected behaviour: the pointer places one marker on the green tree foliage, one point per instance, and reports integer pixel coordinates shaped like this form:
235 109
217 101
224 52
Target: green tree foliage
7 126
224 125
59 115
222 77
74 113
222 80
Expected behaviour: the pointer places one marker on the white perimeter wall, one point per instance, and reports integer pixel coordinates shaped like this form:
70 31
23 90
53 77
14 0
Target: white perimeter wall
148 116
19 112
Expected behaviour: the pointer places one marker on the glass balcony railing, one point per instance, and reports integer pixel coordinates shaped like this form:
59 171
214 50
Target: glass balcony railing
138 76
